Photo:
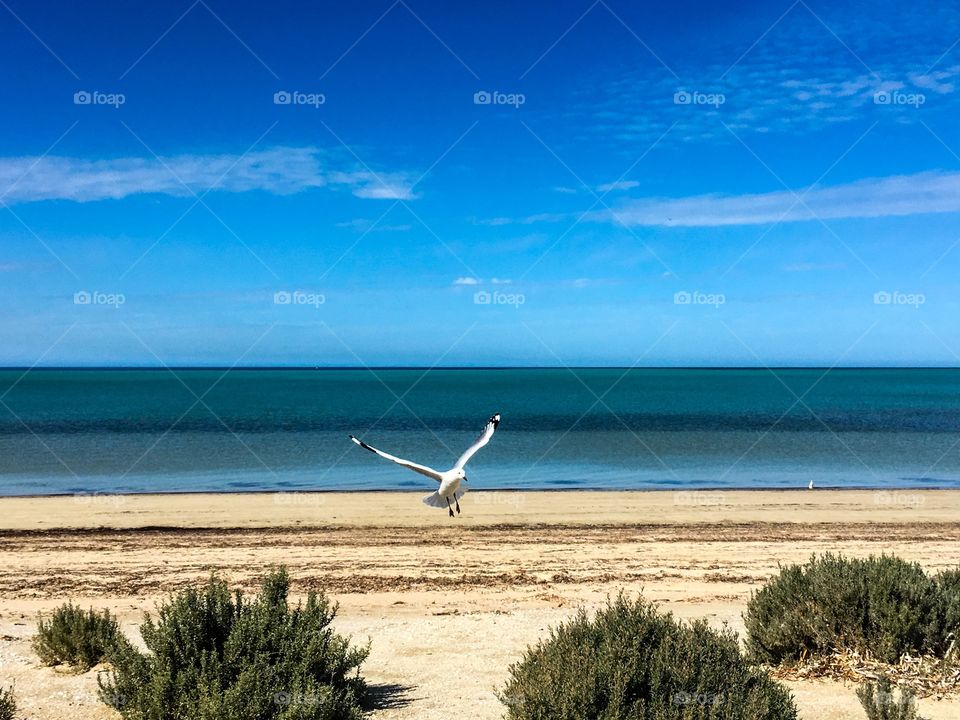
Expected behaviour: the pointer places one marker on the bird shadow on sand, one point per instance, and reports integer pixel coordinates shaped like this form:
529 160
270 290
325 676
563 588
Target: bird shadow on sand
388 696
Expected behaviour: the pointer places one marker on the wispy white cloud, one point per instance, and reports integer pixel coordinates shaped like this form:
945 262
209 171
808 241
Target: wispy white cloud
766 98
801 78
899 195
493 222
279 170
812 267
933 191
364 225
618 185
935 81
479 281
529 220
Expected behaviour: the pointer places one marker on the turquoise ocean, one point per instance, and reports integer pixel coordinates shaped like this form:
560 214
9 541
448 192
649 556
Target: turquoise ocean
119 431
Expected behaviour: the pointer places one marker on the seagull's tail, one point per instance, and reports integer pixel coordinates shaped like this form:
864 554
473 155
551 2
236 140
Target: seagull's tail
434 499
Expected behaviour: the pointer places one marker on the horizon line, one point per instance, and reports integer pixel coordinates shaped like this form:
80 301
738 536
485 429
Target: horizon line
46 368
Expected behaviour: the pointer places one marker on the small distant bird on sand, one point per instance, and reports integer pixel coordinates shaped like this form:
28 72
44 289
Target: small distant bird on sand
450 480
810 486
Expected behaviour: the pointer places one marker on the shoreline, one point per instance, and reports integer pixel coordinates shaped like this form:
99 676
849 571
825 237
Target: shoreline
368 368
507 489
482 508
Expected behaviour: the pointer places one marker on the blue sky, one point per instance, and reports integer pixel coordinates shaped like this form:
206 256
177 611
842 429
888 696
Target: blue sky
495 183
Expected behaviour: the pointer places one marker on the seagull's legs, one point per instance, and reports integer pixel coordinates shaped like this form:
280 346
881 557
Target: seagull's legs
457 501
450 508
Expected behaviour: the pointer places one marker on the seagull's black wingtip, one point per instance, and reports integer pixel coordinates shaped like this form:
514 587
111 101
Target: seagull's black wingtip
362 444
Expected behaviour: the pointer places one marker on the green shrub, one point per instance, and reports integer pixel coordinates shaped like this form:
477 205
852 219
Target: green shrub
879 703
632 662
8 705
948 589
219 656
71 635
884 606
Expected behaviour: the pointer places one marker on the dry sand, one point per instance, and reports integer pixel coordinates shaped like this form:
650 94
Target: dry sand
440 596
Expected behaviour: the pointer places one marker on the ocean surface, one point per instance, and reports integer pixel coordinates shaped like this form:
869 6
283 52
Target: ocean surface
118 431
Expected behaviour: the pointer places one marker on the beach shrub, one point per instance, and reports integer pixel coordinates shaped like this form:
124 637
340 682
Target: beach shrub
216 655
79 637
8 705
879 703
947 624
884 606
632 662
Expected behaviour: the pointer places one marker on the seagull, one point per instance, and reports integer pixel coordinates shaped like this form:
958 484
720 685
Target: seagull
449 480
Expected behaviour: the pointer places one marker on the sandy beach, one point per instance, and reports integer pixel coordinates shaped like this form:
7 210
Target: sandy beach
433 592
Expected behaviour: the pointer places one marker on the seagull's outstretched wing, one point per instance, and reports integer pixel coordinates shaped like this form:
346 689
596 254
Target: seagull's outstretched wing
480 441
422 469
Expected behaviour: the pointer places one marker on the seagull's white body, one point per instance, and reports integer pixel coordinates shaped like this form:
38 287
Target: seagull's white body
450 484
451 481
